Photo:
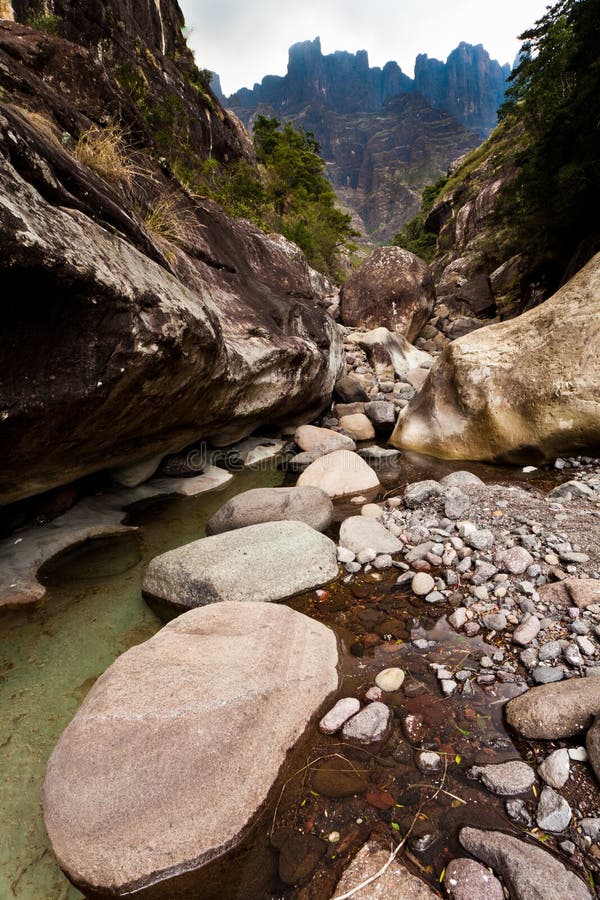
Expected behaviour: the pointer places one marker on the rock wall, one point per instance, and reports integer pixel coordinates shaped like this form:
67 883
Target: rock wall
122 339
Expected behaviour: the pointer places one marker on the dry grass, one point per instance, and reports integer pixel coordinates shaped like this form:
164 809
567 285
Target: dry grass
6 10
105 151
170 221
43 123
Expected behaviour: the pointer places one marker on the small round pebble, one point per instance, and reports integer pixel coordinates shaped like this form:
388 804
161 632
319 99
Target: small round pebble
390 680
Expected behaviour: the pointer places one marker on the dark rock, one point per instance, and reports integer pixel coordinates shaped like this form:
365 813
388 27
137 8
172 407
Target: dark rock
350 390
299 855
129 357
383 416
392 288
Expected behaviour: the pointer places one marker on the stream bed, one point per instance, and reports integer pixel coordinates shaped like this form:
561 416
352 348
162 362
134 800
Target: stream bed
94 611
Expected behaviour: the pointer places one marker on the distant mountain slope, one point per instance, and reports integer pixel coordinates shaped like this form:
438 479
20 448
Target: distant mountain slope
384 135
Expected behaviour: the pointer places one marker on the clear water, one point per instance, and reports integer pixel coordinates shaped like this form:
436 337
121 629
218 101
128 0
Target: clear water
50 658
93 612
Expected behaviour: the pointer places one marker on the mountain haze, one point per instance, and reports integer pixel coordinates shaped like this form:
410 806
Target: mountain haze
384 135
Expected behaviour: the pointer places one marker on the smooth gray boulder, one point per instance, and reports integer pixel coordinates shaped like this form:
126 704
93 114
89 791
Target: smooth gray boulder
264 562
554 711
361 533
301 504
529 872
177 745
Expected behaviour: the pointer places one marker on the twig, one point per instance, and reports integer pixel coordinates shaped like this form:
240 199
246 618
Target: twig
394 853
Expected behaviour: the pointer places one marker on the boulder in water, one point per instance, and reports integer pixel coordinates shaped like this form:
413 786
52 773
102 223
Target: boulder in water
340 474
301 504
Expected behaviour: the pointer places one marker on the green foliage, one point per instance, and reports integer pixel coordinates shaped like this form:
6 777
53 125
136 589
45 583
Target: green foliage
415 236
555 94
289 193
48 23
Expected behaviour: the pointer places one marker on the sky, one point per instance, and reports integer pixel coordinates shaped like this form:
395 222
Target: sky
243 40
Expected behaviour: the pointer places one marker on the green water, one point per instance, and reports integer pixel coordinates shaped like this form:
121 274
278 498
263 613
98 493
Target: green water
51 657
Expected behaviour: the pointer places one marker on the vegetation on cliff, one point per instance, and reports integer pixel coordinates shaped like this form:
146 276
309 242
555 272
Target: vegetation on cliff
548 138
288 192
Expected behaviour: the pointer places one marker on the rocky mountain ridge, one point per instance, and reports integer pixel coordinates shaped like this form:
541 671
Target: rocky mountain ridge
384 135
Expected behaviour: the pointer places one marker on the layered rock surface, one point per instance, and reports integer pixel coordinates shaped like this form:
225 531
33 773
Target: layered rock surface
522 389
155 748
126 343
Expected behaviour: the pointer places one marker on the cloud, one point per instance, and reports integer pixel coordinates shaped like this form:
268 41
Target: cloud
243 40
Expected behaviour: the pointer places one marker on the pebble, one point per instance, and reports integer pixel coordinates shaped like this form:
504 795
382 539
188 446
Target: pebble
366 556
384 561
434 597
481 539
548 674
458 618
390 680
343 710
495 622
345 556
527 631
578 754
514 777
553 812
591 828
515 560
448 686
422 584
555 768
466 879
518 812
550 650
369 725
428 761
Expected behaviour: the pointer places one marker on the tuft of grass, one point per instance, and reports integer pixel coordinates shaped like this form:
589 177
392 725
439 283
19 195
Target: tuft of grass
105 151
48 23
170 221
43 123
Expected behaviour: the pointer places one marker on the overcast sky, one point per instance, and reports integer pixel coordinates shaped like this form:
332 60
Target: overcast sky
243 40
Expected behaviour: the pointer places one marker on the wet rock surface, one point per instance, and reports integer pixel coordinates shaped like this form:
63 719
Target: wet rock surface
152 761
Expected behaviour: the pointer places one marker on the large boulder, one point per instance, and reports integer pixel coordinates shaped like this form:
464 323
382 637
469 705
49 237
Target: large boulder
340 474
177 746
522 389
301 504
393 288
264 562
127 343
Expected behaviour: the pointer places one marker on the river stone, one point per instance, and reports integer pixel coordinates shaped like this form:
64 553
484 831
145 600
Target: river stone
144 784
390 680
529 872
343 710
555 768
382 414
553 812
515 560
466 879
310 438
420 491
300 504
340 474
505 779
258 563
360 532
527 631
370 725
592 742
336 777
302 461
358 427
379 455
422 584
349 389
457 503
554 711
460 479
396 883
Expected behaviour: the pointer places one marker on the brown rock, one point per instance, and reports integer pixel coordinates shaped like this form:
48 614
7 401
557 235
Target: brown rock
393 288
359 427
584 592
155 748
309 438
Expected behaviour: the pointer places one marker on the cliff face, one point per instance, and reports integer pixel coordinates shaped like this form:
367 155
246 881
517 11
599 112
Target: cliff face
384 135
145 318
469 85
